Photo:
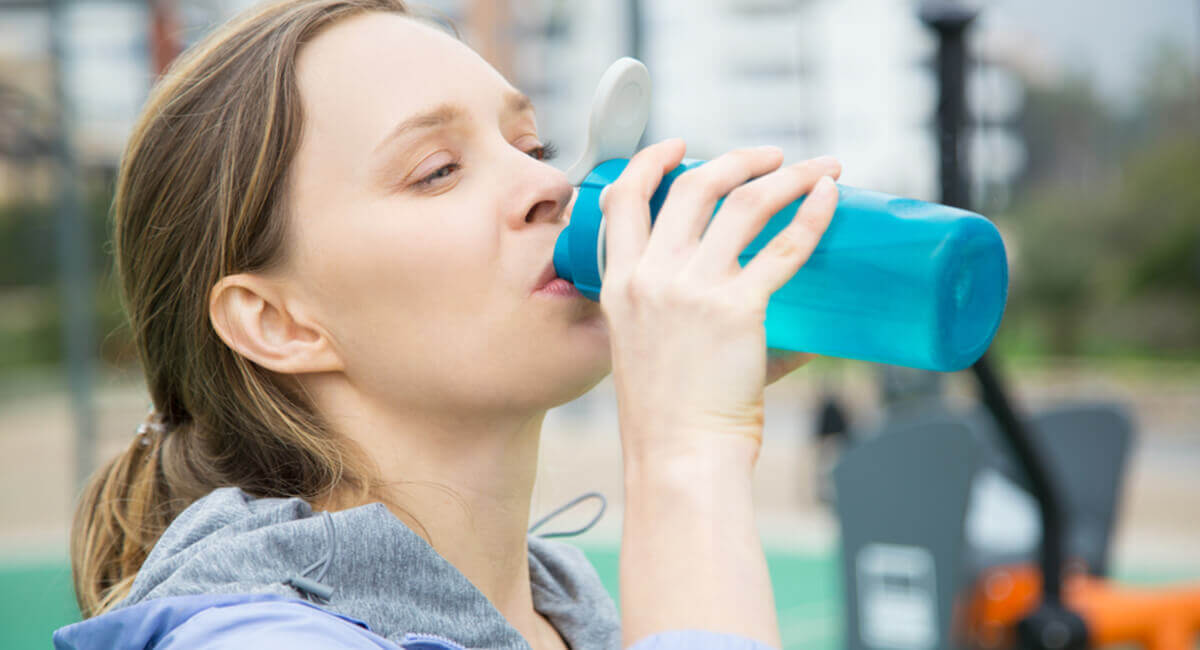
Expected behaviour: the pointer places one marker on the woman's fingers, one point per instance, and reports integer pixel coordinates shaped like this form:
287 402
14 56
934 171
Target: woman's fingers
693 197
626 205
748 208
790 248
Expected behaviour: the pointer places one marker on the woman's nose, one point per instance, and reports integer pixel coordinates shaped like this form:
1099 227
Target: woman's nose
549 199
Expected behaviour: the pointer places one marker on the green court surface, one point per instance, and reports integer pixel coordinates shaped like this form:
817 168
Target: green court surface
36 597
808 595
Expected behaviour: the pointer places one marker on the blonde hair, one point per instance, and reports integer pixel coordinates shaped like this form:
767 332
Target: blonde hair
202 194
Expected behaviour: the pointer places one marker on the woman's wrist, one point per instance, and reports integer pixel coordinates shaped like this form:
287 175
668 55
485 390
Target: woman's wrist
691 557
677 492
685 456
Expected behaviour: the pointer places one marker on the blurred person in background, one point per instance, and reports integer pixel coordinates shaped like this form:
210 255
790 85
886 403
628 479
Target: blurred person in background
334 226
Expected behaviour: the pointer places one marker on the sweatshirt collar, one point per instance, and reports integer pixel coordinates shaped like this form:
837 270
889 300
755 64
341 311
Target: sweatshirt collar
377 570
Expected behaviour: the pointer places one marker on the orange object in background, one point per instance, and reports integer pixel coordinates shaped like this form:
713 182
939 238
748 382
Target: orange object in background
1157 618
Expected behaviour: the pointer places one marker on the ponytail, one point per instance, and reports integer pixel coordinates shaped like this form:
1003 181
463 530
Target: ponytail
122 512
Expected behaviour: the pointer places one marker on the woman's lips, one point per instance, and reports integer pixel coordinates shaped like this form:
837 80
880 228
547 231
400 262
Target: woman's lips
559 287
548 274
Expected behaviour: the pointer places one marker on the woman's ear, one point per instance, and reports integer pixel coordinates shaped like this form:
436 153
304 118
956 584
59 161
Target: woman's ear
250 314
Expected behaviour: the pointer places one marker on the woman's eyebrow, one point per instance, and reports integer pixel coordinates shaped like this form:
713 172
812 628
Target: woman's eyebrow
443 114
518 102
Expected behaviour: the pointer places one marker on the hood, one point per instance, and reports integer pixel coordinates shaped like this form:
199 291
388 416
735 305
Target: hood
362 564
149 623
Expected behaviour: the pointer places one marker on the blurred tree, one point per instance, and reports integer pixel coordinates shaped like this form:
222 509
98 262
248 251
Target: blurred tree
26 244
1108 225
1070 137
30 321
1169 96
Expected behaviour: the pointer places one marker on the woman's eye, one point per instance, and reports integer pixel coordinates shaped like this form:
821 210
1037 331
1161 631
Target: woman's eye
548 151
443 171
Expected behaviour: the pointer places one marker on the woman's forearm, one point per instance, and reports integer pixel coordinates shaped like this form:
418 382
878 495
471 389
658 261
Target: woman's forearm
691 557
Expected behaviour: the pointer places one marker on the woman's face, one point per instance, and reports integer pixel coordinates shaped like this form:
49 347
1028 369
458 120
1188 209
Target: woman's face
423 217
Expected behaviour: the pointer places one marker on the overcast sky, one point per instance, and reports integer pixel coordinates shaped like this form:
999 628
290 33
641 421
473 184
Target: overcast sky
1108 39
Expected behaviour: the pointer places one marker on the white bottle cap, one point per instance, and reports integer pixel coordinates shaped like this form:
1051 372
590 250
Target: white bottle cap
620 110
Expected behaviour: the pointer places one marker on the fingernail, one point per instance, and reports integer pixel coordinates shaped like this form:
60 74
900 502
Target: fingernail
826 160
823 187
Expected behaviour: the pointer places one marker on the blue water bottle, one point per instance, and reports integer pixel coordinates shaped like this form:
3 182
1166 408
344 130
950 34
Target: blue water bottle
893 280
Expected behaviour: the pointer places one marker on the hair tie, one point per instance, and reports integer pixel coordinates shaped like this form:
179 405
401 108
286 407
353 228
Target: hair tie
150 426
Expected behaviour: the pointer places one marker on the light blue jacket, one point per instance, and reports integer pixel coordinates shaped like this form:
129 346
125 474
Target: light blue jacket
233 571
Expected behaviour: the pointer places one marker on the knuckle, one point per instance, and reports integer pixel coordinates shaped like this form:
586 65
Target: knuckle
619 188
786 244
736 310
748 197
643 288
683 293
690 181
653 290
727 303
705 182
673 295
617 285
809 231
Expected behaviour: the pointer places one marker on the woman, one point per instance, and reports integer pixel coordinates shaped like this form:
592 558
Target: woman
332 224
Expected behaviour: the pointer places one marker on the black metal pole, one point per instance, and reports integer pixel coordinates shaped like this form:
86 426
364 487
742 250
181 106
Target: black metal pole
1051 626
951 23
74 262
1020 442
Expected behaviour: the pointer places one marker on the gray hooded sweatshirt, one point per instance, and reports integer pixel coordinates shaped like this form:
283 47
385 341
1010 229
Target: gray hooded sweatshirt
377 570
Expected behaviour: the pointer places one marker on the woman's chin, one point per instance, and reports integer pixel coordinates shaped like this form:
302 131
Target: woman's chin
576 389
583 373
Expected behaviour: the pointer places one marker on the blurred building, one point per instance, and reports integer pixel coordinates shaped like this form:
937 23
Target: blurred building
26 99
105 75
849 78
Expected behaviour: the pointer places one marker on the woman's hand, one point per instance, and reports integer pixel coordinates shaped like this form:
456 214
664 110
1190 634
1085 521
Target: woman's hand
685 318
690 363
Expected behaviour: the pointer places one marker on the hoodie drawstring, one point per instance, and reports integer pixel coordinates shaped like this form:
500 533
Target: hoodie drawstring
561 509
314 586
